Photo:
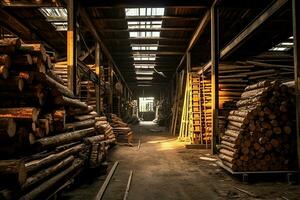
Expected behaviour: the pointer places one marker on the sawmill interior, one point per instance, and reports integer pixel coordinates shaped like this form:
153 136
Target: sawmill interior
161 99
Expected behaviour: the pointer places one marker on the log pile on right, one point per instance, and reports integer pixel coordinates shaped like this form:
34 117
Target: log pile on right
261 132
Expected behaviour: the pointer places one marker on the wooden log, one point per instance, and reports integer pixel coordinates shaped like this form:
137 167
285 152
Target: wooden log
20 113
9 126
64 138
86 117
234 118
21 61
94 139
13 83
62 100
227 152
9 45
40 163
76 111
35 49
63 176
55 77
15 168
81 124
43 174
255 93
226 158
258 85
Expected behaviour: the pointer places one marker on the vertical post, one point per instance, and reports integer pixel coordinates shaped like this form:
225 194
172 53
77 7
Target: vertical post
111 78
215 55
72 46
188 62
296 35
97 66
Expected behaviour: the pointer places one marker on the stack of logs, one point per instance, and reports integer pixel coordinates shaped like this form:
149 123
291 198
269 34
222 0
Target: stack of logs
121 129
261 133
47 136
234 77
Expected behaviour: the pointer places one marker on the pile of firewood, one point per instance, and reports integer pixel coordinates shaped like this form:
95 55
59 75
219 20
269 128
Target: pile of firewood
121 129
261 133
47 136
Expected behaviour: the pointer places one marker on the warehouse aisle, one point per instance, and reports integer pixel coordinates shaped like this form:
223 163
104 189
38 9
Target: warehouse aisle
158 171
164 170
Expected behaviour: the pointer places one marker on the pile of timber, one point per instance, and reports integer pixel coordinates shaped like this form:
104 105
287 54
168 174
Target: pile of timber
234 77
46 134
86 88
261 133
120 128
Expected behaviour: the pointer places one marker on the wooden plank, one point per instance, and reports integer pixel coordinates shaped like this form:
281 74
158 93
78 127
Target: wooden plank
106 182
128 185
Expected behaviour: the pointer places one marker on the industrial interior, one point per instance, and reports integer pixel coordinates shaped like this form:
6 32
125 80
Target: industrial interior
147 100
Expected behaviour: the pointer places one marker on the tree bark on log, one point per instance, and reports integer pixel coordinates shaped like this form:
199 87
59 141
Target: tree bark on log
41 175
20 113
14 167
64 138
34 165
52 182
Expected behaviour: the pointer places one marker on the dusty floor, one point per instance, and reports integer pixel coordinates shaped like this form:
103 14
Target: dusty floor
164 169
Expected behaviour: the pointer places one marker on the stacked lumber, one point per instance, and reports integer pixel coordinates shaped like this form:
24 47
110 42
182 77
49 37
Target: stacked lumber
234 77
261 133
120 128
46 134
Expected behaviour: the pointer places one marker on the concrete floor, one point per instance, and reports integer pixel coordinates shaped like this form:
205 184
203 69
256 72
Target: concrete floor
164 169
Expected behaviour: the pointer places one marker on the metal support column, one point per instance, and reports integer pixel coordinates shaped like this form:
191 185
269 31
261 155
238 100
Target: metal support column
97 86
215 55
72 45
296 35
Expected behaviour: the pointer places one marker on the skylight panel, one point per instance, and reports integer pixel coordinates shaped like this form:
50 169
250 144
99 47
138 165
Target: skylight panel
146 78
280 49
144 72
143 66
141 34
144 47
57 17
130 12
144 24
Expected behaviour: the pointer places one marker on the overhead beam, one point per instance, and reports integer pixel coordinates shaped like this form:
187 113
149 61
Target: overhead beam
143 3
86 54
32 4
147 29
246 33
86 19
149 18
163 53
147 39
296 34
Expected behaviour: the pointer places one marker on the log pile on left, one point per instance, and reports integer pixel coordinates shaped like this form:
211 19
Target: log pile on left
44 129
